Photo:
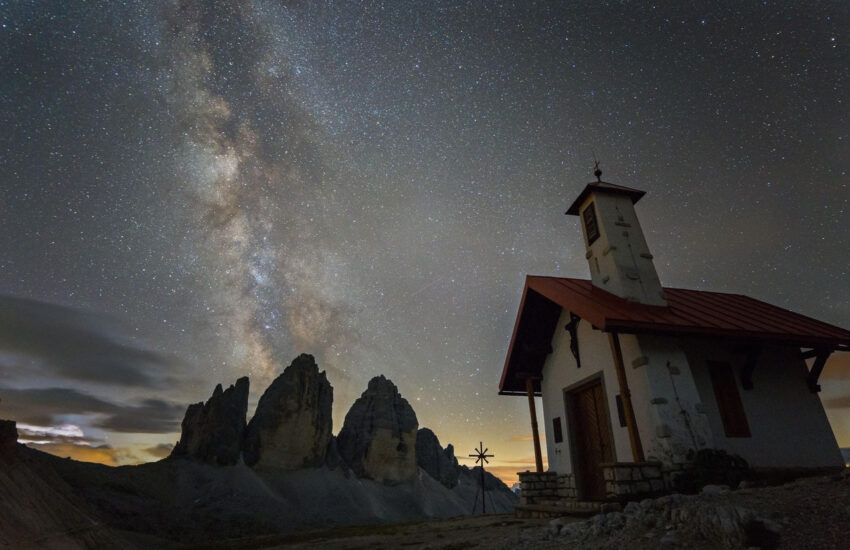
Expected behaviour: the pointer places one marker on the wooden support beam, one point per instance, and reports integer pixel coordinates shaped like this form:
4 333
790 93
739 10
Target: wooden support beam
538 457
626 396
817 369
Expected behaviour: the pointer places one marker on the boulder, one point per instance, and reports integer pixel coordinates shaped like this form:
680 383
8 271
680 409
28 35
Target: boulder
292 426
439 463
378 437
212 432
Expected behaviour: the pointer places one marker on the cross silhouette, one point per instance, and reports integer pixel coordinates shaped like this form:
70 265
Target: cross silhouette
481 456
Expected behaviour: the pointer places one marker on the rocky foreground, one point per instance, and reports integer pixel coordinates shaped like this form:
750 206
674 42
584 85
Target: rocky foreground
281 472
810 513
806 514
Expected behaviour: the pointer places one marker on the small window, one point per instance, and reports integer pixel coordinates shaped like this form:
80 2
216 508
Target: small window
591 228
621 414
556 429
728 399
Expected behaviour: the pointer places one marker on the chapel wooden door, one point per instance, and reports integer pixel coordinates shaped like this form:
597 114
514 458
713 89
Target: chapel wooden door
592 436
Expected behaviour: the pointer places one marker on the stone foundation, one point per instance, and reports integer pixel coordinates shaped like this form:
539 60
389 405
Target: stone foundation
538 488
567 487
670 472
624 480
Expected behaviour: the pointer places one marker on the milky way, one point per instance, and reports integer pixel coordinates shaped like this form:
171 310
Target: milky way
215 187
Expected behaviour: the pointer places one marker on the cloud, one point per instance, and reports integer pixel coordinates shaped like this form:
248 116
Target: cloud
42 407
524 461
72 343
151 416
508 474
507 470
67 440
842 402
64 433
160 451
837 367
100 455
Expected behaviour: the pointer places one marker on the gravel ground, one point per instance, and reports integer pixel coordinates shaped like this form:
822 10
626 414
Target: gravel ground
810 513
451 534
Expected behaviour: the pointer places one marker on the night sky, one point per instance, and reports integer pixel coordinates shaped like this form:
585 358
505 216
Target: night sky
195 191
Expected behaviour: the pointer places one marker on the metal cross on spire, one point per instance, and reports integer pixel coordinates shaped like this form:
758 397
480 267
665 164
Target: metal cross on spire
596 171
481 456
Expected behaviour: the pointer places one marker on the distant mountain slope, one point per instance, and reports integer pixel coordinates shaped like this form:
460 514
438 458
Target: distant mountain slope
39 510
226 478
192 502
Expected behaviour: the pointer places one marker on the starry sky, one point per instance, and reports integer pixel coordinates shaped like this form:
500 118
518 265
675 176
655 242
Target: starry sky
195 191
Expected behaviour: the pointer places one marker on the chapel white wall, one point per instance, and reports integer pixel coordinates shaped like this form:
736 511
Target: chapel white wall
560 372
788 424
667 399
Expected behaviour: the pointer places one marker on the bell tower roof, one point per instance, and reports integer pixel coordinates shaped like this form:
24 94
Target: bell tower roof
604 187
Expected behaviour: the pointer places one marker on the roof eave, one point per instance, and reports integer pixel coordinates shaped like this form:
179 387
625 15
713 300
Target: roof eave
801 340
504 377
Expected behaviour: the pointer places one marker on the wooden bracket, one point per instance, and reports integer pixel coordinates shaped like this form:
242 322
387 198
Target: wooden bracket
817 369
808 354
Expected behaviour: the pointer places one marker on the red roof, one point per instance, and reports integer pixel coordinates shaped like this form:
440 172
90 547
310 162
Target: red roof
689 312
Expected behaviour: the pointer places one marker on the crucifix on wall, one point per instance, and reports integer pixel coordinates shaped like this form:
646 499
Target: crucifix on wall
572 328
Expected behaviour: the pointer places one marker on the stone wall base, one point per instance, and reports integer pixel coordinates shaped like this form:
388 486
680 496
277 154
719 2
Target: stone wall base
626 480
623 481
538 487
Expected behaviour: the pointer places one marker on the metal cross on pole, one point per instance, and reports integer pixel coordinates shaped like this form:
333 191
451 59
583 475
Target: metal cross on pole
482 456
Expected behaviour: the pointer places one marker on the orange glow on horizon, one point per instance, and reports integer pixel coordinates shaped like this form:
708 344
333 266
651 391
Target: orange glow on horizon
82 453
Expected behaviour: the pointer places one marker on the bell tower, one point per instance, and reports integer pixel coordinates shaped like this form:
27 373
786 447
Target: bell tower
619 258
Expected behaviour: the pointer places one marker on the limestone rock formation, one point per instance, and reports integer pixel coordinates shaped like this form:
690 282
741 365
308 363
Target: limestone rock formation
292 426
212 432
378 437
438 463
